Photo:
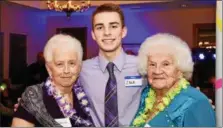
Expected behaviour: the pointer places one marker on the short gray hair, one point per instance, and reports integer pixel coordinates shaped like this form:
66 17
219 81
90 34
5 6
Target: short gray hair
168 44
59 40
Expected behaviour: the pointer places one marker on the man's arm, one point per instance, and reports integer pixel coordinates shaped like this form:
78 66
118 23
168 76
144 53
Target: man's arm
17 104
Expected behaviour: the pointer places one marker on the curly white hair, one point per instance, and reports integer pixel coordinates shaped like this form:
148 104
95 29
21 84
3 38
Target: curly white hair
166 44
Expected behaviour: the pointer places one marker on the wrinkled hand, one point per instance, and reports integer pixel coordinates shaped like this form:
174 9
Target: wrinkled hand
17 104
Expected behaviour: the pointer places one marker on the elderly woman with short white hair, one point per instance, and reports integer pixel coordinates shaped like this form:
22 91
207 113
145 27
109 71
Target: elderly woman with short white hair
59 101
169 100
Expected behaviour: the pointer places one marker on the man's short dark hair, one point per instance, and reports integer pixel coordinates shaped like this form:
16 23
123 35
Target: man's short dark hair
109 7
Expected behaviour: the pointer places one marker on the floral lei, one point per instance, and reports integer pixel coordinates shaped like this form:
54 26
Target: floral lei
143 116
67 108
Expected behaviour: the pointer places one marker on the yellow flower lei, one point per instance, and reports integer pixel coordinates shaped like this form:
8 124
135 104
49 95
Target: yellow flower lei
141 119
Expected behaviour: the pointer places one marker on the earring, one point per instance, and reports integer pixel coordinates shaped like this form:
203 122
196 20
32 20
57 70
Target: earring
180 76
50 77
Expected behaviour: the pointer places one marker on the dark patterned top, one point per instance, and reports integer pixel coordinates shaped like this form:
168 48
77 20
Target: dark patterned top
52 108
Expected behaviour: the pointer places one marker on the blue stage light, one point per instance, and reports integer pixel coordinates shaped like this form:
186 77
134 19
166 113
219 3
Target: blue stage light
214 55
201 56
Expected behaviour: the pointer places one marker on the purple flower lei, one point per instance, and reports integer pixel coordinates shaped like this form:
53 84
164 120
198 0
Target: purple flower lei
66 108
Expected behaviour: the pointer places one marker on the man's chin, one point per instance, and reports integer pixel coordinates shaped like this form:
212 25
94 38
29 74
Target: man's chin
109 49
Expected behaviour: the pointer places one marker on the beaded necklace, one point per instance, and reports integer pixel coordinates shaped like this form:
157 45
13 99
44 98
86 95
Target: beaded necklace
66 108
145 115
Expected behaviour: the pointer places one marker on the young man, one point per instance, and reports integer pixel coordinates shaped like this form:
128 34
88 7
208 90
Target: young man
114 90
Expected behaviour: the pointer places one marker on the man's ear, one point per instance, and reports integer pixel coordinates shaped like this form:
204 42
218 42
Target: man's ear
93 35
124 31
48 69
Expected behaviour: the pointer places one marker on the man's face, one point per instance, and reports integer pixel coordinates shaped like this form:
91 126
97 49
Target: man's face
108 31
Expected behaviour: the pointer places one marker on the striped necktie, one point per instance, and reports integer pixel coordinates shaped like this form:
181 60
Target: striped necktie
111 100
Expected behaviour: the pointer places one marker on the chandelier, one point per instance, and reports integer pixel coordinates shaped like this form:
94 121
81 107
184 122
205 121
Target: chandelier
68 6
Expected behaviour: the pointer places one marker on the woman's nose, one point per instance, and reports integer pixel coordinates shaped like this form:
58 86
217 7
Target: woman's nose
158 70
66 69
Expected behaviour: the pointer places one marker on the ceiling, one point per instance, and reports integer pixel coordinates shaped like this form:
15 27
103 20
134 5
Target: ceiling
142 5
41 4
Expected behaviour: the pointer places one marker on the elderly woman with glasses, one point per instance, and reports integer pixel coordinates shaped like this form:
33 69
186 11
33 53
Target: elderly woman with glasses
59 101
169 100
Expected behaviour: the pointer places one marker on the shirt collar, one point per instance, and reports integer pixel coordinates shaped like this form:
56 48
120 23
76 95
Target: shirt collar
119 61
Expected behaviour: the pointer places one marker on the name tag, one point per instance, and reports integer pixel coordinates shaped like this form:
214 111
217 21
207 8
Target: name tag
147 125
65 122
133 81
